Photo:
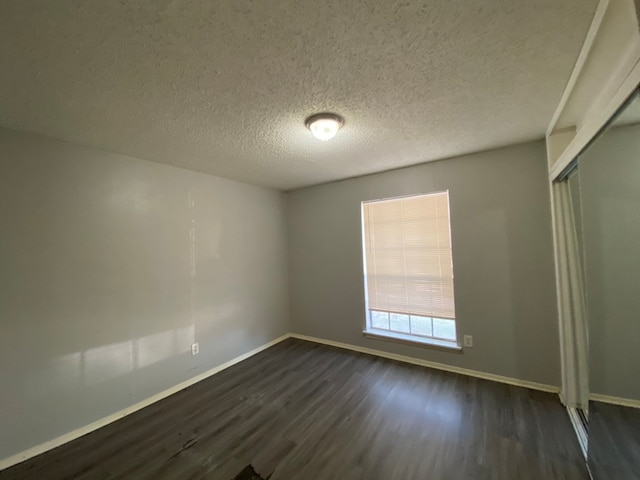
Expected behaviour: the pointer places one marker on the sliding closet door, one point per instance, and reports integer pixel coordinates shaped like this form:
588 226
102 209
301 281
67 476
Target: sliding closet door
610 196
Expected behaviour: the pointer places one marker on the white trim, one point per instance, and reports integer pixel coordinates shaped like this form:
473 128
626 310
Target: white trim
581 433
580 62
611 54
415 340
624 402
79 432
595 123
556 265
438 366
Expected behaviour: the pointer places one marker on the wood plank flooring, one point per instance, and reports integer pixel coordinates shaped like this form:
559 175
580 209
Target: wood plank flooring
614 441
307 411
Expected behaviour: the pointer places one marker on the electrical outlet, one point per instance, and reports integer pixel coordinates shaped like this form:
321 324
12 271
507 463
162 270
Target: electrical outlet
468 341
195 348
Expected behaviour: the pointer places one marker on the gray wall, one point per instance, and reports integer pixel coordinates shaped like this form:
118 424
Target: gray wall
502 254
610 192
110 267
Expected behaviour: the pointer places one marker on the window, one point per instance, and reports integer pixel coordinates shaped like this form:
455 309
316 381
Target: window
408 269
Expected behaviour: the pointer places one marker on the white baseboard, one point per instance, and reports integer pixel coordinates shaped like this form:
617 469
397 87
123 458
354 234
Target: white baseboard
79 432
624 402
439 366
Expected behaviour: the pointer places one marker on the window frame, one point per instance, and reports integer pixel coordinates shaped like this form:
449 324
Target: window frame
393 335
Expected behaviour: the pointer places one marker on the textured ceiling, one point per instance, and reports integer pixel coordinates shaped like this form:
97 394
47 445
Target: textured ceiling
223 87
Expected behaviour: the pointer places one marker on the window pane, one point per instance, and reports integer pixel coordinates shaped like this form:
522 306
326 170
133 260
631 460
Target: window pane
379 320
421 325
443 328
399 322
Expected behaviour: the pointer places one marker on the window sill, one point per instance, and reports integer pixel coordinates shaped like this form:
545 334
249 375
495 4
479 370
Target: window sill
412 340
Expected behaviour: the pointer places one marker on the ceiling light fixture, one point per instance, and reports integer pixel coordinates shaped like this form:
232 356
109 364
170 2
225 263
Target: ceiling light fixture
324 125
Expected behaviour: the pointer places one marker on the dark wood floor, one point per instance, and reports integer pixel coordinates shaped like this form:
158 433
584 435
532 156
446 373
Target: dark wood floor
313 412
614 442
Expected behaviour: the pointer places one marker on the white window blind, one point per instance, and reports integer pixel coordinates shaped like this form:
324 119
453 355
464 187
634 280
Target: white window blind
409 267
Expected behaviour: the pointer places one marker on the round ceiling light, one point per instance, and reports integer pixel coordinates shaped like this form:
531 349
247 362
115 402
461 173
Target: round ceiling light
324 125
